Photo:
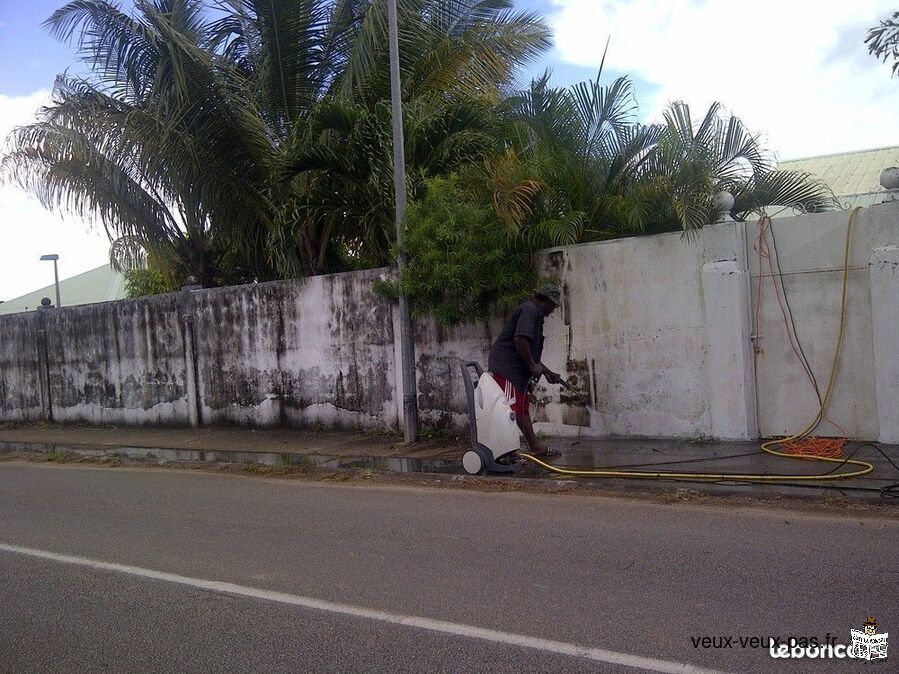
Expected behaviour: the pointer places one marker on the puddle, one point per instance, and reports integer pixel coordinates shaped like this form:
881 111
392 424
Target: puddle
391 464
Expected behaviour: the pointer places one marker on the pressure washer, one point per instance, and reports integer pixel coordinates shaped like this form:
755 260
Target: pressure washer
495 437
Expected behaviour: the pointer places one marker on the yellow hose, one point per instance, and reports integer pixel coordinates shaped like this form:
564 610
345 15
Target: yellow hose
864 469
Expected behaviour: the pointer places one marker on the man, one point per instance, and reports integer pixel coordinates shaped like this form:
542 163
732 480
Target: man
515 359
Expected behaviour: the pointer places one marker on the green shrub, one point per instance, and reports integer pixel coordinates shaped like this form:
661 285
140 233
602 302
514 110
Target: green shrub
461 261
149 281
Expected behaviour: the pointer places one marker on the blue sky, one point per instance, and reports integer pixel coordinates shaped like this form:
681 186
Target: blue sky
37 58
799 76
31 58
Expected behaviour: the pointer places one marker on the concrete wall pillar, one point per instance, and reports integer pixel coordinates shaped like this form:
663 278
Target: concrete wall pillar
730 370
43 360
192 378
883 276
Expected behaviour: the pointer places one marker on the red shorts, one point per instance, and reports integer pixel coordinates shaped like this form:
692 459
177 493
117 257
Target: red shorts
519 400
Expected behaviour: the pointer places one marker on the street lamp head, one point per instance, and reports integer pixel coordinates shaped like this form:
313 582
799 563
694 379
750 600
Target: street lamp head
52 256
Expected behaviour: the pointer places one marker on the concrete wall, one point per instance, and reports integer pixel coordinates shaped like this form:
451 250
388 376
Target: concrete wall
439 353
117 362
21 373
292 353
654 332
631 334
296 353
864 402
657 332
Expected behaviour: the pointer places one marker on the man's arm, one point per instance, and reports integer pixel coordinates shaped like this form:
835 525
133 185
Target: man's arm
525 331
523 346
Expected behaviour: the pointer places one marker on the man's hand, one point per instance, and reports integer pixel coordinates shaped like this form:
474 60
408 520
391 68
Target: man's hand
553 378
538 369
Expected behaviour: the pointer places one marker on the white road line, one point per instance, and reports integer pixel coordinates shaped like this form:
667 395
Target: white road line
442 626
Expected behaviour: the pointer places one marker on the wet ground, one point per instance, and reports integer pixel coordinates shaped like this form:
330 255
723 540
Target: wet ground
335 451
224 439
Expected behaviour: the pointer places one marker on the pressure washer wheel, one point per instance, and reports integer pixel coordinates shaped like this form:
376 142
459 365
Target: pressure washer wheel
472 463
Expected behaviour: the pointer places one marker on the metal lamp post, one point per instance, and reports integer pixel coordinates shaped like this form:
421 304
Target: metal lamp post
54 258
407 345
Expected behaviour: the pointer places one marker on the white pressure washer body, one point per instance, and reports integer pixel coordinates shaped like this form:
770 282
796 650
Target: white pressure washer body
494 433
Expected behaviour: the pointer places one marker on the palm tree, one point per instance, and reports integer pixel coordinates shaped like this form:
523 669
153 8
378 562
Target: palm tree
342 169
691 162
455 56
573 171
180 137
164 143
581 167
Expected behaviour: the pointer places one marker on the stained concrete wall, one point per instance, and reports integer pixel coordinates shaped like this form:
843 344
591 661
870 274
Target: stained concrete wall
656 334
296 353
20 368
439 353
117 362
290 353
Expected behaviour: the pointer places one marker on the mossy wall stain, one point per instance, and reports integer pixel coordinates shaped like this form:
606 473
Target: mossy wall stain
296 345
123 357
20 370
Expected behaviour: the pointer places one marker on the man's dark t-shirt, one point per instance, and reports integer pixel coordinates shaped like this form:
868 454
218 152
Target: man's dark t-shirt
525 321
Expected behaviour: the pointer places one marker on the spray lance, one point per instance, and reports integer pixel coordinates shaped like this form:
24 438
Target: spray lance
578 397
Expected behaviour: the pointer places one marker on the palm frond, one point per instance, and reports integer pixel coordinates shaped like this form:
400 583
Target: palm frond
790 189
128 253
123 52
883 41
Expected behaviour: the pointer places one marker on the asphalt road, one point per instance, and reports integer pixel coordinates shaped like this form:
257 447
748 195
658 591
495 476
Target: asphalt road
127 570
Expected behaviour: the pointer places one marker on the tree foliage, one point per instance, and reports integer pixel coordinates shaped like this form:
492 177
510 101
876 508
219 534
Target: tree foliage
192 132
883 41
254 142
462 264
147 281
581 167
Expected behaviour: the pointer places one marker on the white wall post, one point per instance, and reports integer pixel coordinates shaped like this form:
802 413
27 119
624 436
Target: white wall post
883 276
729 357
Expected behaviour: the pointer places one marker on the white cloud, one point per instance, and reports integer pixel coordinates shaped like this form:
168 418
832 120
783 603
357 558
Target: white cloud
28 230
796 71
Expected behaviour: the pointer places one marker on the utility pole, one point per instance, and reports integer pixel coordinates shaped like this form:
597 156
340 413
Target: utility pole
407 345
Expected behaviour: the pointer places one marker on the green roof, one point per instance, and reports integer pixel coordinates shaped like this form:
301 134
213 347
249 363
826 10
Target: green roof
97 285
853 176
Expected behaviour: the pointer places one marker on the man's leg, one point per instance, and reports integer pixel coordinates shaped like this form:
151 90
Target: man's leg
524 423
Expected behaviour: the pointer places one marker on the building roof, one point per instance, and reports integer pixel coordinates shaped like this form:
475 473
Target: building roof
854 177
97 285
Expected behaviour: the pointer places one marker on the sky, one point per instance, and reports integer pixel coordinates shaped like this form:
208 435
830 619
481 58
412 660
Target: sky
799 75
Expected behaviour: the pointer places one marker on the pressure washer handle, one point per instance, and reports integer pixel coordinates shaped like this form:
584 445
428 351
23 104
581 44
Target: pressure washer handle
555 378
549 373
